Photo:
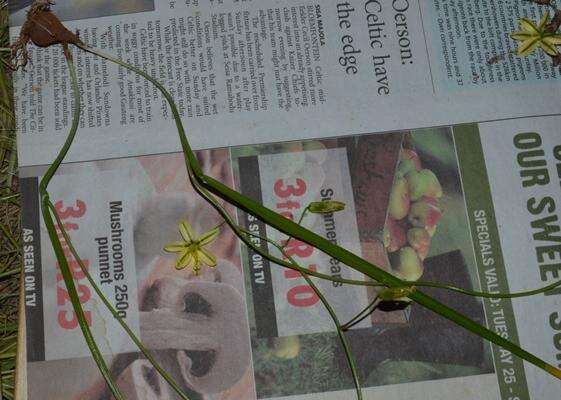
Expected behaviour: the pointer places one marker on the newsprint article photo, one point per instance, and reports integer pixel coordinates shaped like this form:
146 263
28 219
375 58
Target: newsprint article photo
288 199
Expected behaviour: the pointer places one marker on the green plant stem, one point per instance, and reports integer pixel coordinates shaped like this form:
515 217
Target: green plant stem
340 333
369 309
466 292
292 264
114 312
488 295
343 255
139 343
57 246
330 310
299 223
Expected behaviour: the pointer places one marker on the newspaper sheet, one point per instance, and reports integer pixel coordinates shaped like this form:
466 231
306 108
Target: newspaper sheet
273 70
292 102
261 326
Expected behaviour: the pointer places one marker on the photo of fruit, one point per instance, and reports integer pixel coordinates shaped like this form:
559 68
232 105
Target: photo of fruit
413 215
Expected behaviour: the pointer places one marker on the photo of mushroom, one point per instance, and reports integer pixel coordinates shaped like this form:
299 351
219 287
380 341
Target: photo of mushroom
81 9
195 325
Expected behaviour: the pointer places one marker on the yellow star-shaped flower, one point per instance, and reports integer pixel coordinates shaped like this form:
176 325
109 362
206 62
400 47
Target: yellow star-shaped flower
190 250
532 36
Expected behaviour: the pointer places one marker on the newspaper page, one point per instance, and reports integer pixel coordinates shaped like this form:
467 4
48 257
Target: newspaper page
248 329
274 71
294 101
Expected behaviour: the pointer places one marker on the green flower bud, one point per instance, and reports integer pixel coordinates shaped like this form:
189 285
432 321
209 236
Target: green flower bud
326 207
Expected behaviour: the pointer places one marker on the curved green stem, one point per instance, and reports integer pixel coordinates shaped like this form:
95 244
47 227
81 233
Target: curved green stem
292 229
114 312
369 309
57 245
299 223
488 295
292 264
330 310
341 334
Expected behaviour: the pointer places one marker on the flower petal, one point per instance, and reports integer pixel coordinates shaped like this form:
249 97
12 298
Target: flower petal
175 247
521 35
207 258
528 25
544 21
186 231
184 260
528 46
548 47
553 39
208 237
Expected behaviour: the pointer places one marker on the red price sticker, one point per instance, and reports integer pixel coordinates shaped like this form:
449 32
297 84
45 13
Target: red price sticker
289 203
67 319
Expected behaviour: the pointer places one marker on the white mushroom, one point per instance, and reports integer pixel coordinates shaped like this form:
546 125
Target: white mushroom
199 316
